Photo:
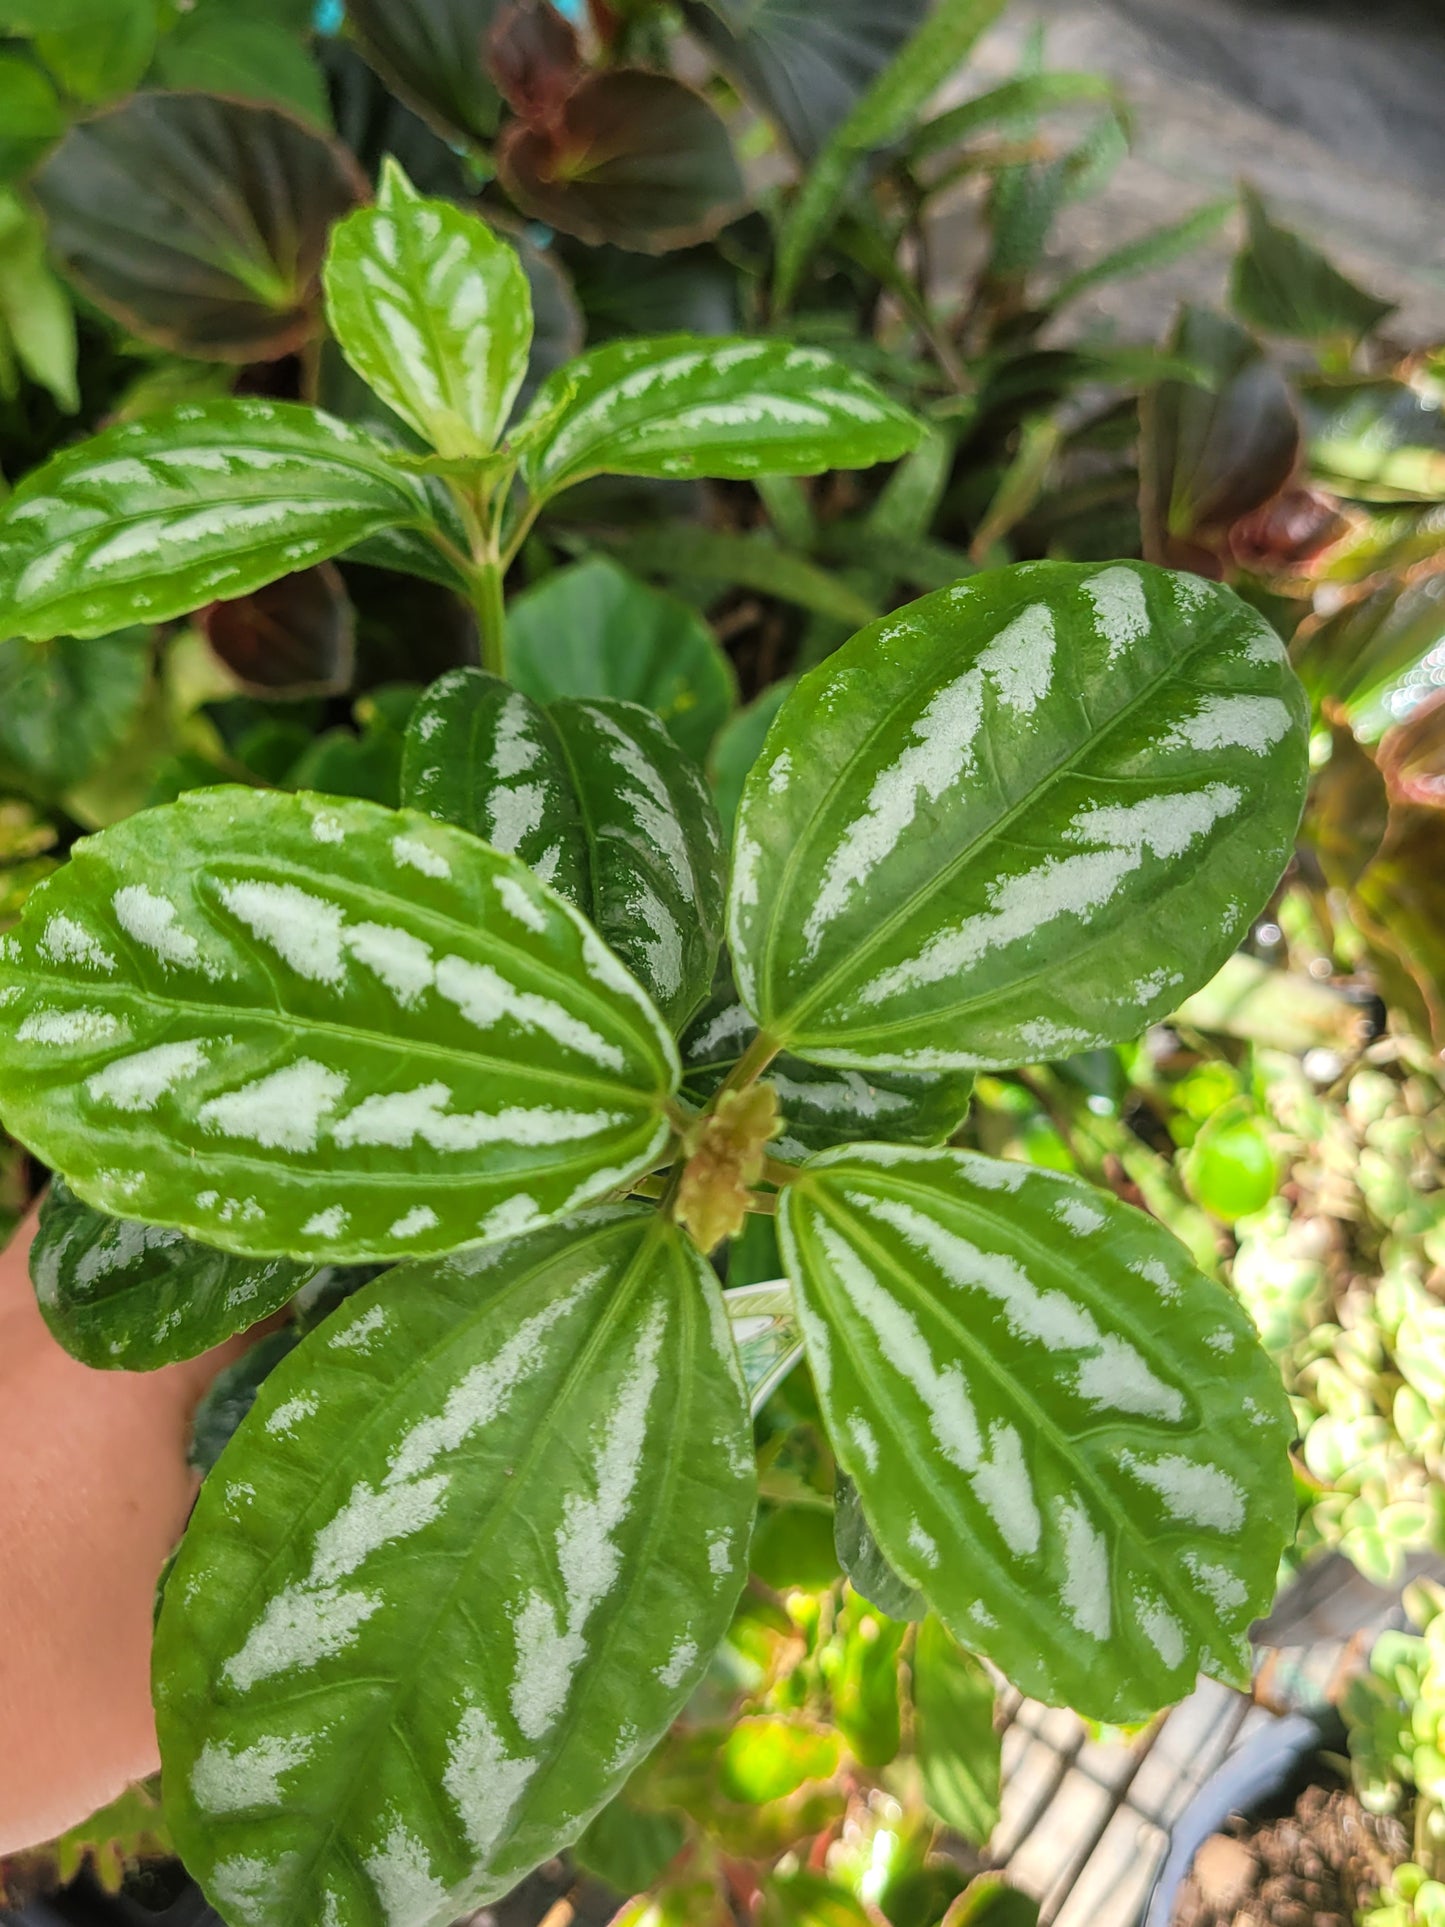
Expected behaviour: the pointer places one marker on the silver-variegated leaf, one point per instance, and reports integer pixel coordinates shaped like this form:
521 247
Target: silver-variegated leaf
1017 819
456 1573
128 1297
433 311
482 755
312 1025
153 518
692 405
655 855
1066 1437
820 1105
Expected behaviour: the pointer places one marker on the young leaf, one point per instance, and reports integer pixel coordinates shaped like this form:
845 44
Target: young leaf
130 1297
1064 1435
688 405
482 755
959 1754
454 1576
434 313
1024 815
199 223
1287 287
309 1025
655 856
155 517
595 630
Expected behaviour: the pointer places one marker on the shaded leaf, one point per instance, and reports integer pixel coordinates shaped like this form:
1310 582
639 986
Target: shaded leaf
1377 438
628 1847
429 52
765 1332
65 705
1287 287
804 65
572 1397
1021 817
959 1753
37 322
1035 1392
153 518
737 748
199 223
744 559
630 157
31 116
104 56
293 637
990 1902
215 49
231 1394
433 311
806 1899
534 57
1156 249
427 1044
686 405
595 630
129 1297
861 1557
1012 103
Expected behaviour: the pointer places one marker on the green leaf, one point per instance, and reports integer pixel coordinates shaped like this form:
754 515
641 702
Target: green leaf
37 321
231 1394
959 1753
861 1557
454 1576
31 116
864 1689
655 856
433 311
104 57
751 559
821 1106
309 1025
482 755
216 49
429 53
1156 249
65 705
1012 103
1066 1437
935 52
1022 817
155 517
691 405
595 630
738 745
628 1847
129 1297
1287 287
199 223
988 1901
801 1898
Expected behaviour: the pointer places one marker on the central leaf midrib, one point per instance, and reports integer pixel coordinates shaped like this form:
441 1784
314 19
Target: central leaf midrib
784 1025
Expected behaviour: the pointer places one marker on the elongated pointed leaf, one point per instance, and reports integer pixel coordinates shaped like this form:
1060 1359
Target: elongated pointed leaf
1066 1437
156 517
691 405
482 755
433 311
1023 816
130 1297
655 854
455 1574
310 1025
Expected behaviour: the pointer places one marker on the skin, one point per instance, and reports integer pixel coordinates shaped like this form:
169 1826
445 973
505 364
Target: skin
94 1493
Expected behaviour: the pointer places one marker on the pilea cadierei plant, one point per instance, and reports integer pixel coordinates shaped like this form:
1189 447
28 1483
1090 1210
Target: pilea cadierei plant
473 1546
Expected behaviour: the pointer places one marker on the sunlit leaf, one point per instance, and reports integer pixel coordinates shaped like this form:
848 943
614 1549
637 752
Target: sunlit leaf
685 405
990 1902
865 1689
156 517
1019 818
31 116
309 1025
199 223
37 321
130 1297
433 311
595 630
629 157
959 1753
767 1758
551 1437
1065 1436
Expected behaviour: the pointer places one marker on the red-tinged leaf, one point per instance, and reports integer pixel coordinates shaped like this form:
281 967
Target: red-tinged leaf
292 638
1412 756
535 59
429 53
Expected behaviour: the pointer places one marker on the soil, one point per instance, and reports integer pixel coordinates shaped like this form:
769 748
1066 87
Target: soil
1311 1867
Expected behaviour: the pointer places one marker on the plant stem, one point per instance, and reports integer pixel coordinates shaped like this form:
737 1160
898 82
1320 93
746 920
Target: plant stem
487 600
749 1067
776 1171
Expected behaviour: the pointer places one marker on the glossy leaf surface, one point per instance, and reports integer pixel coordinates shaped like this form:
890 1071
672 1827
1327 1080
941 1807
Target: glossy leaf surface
454 1576
595 630
199 223
1067 1438
685 405
429 52
482 755
309 1025
655 859
1023 816
628 157
129 1297
433 311
862 1560
153 518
